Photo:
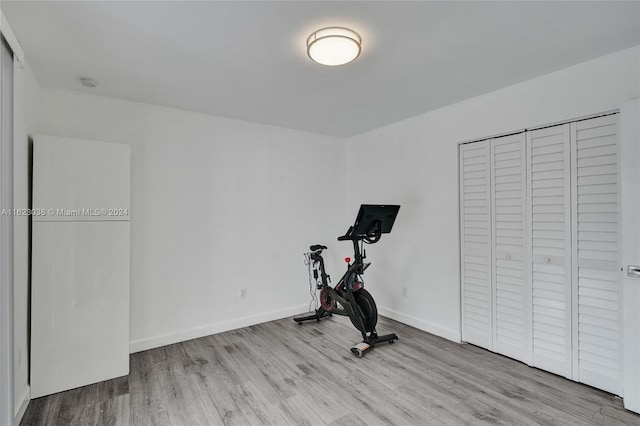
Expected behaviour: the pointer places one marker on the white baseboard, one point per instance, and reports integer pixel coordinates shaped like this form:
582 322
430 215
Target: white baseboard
21 405
207 330
437 329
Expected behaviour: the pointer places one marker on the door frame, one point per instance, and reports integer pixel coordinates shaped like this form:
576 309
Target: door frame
629 126
8 410
6 238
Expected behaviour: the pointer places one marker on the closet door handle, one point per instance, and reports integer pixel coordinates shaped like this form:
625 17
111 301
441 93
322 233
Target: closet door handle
633 271
507 256
547 259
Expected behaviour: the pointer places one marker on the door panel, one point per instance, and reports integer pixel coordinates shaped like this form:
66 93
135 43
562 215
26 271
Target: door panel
597 339
475 243
512 329
550 243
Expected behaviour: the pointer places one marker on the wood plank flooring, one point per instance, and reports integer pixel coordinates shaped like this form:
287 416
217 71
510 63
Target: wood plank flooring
281 373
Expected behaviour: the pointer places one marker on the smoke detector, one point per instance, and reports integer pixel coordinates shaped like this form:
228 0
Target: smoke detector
88 82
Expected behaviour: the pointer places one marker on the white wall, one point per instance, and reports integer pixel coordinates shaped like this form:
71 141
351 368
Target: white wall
415 163
217 205
26 89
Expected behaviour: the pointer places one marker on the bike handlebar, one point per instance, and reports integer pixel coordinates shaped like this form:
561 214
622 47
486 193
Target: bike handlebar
347 235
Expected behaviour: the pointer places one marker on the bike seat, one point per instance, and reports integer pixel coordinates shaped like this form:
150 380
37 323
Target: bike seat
317 247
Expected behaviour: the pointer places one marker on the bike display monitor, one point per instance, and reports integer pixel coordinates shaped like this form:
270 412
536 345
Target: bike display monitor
371 215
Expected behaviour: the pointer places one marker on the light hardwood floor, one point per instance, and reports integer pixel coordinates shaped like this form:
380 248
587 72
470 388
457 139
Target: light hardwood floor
281 373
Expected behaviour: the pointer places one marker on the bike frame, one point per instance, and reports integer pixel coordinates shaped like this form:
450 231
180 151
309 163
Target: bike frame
344 291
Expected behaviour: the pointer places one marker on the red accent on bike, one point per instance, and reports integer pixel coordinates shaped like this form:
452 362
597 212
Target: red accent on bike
347 259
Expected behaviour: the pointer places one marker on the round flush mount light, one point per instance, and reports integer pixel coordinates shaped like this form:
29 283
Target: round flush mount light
88 82
334 46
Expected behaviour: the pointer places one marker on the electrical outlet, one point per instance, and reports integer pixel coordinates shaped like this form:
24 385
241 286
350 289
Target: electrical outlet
243 293
404 291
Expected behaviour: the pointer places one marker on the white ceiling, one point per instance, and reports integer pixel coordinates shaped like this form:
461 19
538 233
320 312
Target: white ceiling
247 60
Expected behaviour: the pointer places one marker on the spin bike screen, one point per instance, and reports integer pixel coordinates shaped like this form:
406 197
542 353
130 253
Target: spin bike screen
369 214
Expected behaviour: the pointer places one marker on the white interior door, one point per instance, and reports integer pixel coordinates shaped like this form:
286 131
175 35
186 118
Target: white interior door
597 316
80 263
475 243
549 204
512 302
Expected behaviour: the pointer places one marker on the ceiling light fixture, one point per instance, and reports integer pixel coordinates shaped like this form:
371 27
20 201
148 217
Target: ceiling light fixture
334 46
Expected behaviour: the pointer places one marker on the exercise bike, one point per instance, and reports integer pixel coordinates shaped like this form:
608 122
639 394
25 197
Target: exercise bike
348 297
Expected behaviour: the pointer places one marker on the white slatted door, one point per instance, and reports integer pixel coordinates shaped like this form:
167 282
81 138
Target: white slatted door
475 236
596 266
512 302
549 203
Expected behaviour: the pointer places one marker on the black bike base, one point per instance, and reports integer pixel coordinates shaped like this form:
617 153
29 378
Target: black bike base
320 313
363 347
384 338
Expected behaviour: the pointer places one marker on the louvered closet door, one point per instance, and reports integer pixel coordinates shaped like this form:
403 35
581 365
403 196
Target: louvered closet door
597 287
512 330
548 157
475 236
